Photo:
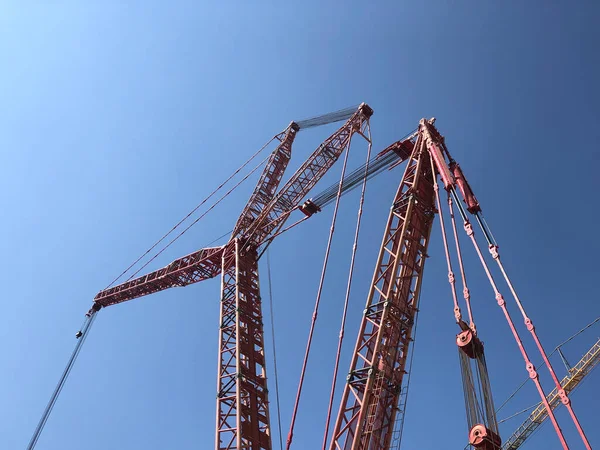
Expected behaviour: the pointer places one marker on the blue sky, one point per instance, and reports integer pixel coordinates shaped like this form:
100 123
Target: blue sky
118 117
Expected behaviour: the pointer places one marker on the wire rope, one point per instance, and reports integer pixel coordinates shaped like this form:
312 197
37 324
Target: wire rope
518 413
348 289
46 414
274 352
198 219
324 119
191 212
511 396
317 302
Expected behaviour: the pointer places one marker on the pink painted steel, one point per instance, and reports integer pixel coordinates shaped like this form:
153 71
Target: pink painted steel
529 324
466 191
370 398
469 343
433 141
466 292
528 364
483 438
474 207
451 278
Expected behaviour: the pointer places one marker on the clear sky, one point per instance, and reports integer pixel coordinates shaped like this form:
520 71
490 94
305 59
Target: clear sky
118 117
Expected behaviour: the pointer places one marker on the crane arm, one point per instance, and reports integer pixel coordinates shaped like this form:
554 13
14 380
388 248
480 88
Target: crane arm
268 181
570 382
195 267
264 213
306 177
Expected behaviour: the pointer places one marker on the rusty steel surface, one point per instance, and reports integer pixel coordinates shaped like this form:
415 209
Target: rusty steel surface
370 399
242 399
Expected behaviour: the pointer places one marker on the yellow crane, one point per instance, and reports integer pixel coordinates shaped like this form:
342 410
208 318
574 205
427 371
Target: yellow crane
570 382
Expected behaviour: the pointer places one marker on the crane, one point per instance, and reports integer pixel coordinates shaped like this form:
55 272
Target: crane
576 375
367 418
371 411
242 397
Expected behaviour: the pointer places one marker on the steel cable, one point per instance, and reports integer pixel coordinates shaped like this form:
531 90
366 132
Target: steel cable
335 116
511 396
198 219
348 288
274 353
190 213
46 414
317 301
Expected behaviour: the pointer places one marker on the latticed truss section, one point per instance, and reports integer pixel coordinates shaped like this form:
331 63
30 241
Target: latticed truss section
370 398
242 400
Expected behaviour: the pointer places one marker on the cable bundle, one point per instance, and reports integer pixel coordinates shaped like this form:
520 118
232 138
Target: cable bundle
324 119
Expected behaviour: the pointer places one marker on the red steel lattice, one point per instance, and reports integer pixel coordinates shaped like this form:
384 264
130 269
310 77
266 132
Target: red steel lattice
242 399
370 398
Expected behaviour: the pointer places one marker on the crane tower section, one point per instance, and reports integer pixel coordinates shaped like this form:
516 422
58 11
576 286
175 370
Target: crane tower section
370 398
242 399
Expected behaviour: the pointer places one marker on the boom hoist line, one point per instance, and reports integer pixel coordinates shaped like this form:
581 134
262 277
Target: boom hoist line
369 404
242 419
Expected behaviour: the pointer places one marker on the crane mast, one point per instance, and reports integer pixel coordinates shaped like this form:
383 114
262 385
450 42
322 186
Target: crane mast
242 399
369 401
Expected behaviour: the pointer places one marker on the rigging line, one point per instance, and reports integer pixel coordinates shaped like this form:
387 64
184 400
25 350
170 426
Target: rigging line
502 304
466 293
318 300
218 239
531 328
192 212
519 413
377 164
269 240
542 363
348 288
38 430
274 353
324 119
198 219
576 334
451 280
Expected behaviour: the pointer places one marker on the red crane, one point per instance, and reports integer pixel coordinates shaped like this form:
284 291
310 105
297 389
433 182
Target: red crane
368 415
371 411
242 399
